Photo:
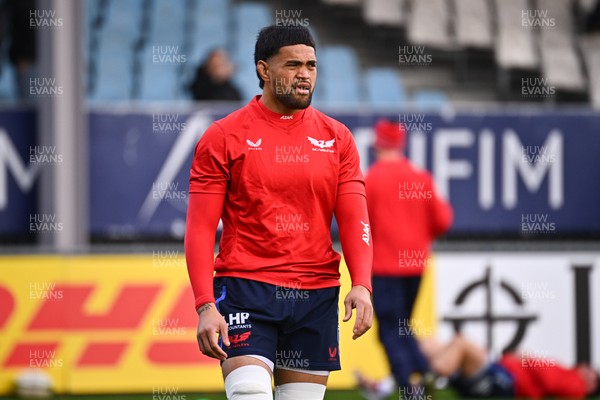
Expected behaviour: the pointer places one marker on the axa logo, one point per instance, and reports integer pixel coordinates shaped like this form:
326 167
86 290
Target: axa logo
366 236
322 145
287 117
239 337
332 351
238 318
254 145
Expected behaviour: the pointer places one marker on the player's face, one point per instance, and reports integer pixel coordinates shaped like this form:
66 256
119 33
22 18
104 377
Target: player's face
293 75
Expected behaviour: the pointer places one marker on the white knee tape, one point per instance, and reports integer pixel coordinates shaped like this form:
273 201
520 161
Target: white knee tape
250 382
300 391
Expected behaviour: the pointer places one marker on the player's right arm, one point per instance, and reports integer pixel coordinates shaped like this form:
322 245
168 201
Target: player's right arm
209 178
204 211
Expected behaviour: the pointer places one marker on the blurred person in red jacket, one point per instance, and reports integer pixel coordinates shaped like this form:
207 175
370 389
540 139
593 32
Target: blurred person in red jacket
515 374
406 215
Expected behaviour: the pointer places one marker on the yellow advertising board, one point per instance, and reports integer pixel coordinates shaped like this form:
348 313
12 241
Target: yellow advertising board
125 324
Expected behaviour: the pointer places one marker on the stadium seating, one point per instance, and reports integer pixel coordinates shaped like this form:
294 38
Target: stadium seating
248 19
515 44
560 62
590 46
159 79
8 85
384 12
114 60
116 52
94 11
163 55
339 77
428 24
119 36
343 2
473 25
384 88
429 99
211 33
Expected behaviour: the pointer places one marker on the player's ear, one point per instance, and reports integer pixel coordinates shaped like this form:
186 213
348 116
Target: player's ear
263 70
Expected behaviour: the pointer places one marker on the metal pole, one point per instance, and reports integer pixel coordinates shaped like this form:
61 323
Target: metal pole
62 123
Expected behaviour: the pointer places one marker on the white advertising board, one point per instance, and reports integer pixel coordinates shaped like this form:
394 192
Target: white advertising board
546 304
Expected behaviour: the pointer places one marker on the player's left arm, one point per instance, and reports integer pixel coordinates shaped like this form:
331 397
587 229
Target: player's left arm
355 236
353 224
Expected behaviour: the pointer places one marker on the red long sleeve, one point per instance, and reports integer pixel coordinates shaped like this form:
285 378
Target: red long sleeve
204 211
355 235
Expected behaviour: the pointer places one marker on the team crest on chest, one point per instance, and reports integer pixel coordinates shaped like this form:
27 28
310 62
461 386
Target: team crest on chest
322 145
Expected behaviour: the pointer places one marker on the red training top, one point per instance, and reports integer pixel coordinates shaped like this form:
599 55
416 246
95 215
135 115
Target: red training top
406 215
280 178
539 378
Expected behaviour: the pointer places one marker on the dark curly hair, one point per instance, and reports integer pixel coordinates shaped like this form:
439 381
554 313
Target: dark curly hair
271 38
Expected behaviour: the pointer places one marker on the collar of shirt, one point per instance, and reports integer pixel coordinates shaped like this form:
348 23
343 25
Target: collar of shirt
282 120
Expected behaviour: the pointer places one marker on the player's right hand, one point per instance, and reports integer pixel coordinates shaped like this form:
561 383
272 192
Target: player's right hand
211 324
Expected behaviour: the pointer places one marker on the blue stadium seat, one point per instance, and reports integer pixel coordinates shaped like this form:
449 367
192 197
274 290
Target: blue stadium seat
114 69
208 23
164 55
159 79
384 88
339 78
90 9
247 83
167 22
125 16
429 99
117 40
8 82
248 20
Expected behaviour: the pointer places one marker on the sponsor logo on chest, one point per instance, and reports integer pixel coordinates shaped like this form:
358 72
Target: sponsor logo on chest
254 146
294 154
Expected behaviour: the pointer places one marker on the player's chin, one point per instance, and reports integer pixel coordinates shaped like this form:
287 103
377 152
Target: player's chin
304 101
296 101
304 97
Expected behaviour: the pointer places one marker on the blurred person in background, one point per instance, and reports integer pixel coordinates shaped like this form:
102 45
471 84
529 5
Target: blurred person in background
213 78
406 215
593 20
275 172
22 50
473 374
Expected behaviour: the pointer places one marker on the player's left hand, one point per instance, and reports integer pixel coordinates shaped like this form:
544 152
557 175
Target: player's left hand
359 298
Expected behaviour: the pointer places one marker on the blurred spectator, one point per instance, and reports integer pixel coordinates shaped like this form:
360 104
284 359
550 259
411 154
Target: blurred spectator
593 20
22 51
213 78
406 215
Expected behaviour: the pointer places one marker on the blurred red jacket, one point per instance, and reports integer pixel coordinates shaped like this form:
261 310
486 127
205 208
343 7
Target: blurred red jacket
536 378
406 215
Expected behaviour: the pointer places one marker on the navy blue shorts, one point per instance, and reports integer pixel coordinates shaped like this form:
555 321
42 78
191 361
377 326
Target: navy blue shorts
294 328
492 381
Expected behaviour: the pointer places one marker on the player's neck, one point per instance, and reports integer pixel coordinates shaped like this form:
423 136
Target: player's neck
388 155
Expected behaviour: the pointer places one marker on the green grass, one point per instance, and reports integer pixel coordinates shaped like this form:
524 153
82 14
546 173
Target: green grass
330 395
